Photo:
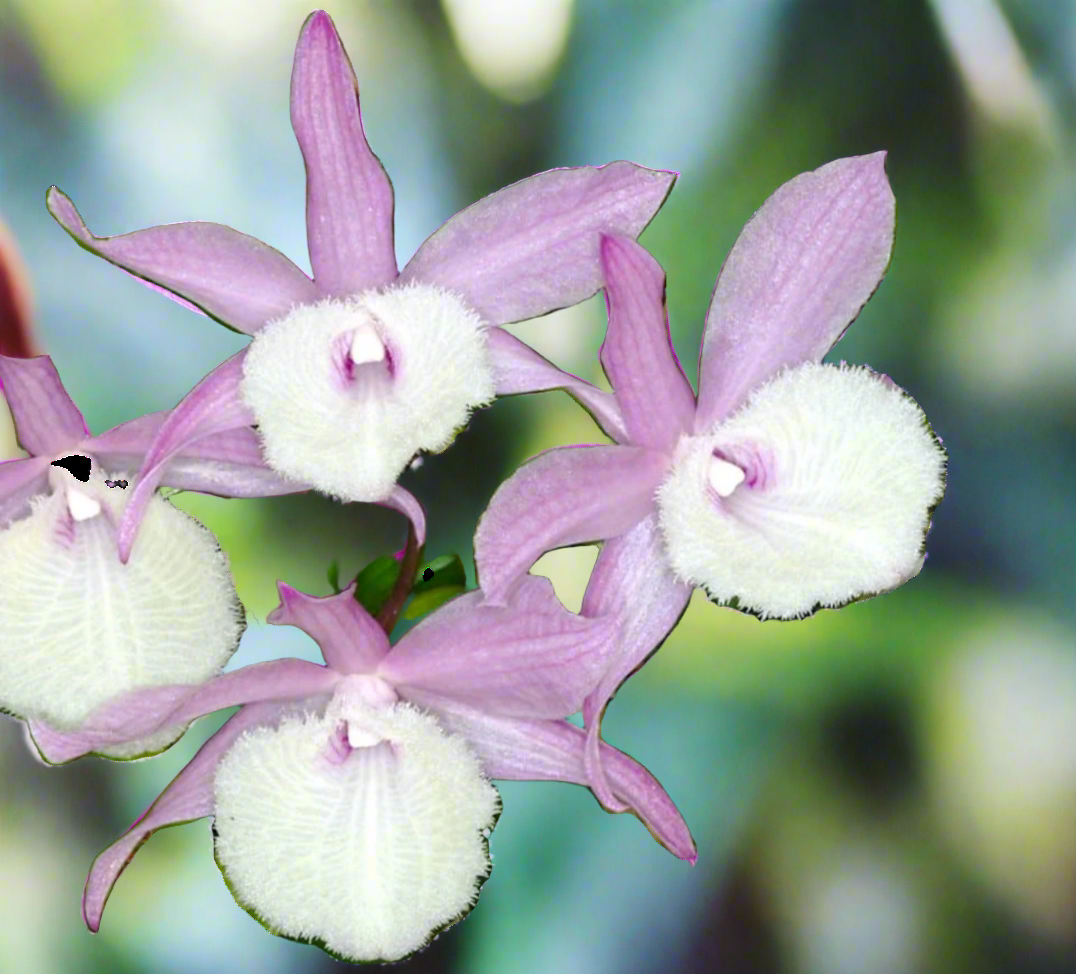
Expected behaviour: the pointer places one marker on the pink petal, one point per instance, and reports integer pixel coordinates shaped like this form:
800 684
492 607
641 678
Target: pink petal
238 280
404 501
530 658
351 641
140 713
798 275
637 355
227 464
47 422
517 749
633 584
214 406
533 247
518 368
188 797
566 496
348 194
19 481
16 326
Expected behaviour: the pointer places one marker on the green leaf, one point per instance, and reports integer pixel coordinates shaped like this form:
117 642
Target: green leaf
430 599
334 576
446 570
375 582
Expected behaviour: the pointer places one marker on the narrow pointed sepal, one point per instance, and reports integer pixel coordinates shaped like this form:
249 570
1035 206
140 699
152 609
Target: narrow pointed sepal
153 709
46 420
349 205
565 496
518 368
651 389
532 247
520 749
188 797
632 584
239 281
350 639
227 464
797 276
213 406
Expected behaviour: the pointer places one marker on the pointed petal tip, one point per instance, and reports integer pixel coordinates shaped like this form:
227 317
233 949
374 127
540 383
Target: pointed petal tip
317 28
91 916
321 19
873 166
671 175
278 616
290 597
55 196
63 211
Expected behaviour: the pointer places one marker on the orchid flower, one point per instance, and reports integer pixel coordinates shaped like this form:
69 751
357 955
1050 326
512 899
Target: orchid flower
351 801
78 625
351 373
787 485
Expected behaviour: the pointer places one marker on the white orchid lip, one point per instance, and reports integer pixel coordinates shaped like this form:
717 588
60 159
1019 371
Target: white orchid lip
80 627
347 391
816 492
367 850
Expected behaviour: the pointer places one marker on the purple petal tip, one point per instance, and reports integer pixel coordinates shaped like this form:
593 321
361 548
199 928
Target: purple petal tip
62 209
286 593
319 20
93 923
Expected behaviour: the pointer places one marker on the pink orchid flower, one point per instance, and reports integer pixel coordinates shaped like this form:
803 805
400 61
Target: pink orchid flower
787 485
78 625
351 800
353 372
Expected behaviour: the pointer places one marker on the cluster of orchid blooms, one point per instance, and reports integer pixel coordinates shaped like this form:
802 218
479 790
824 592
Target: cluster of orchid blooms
352 801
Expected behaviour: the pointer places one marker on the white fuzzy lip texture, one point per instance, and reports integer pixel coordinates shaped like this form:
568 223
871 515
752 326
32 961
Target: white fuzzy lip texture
840 471
363 830
80 627
347 391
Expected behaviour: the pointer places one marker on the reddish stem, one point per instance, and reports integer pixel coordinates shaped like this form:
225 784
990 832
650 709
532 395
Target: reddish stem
394 604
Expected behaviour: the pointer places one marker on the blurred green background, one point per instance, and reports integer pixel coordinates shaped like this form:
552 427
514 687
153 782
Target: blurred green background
887 788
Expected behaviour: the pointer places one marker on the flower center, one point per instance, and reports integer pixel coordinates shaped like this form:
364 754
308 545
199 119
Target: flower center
354 696
82 506
366 346
724 477
347 391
